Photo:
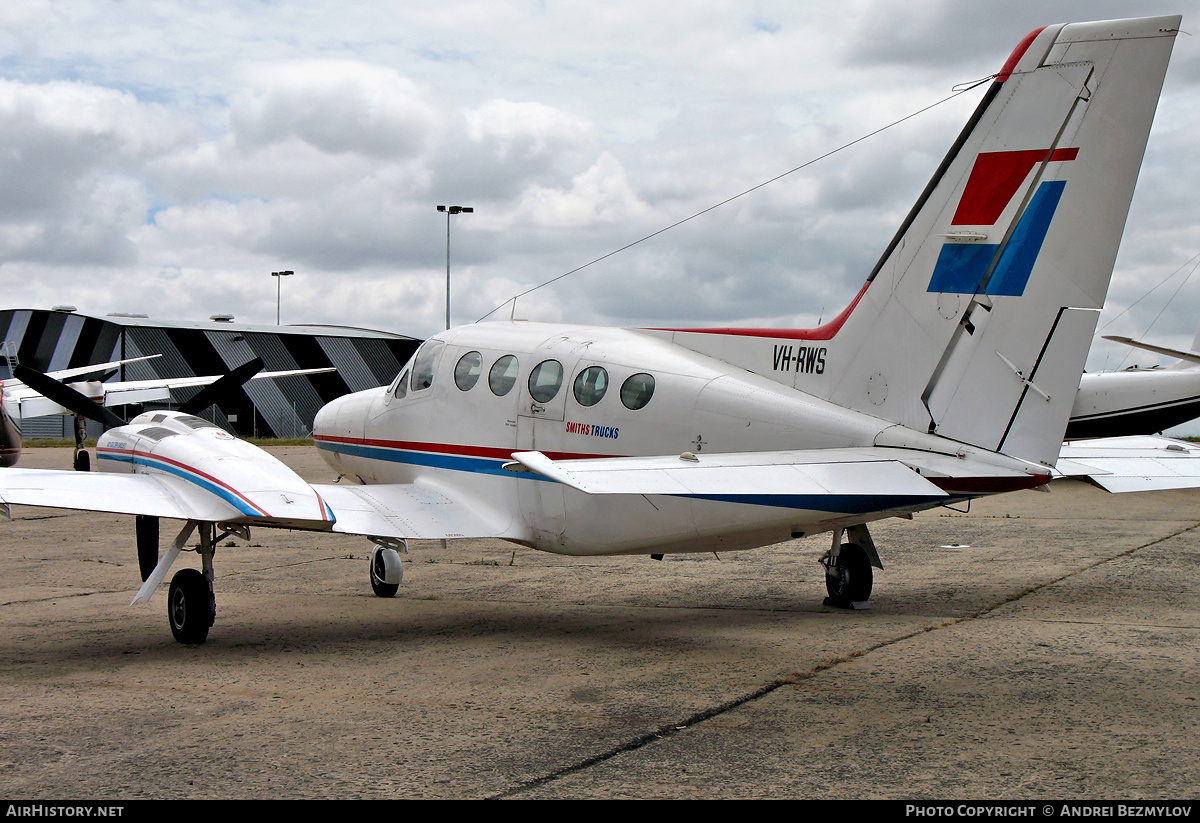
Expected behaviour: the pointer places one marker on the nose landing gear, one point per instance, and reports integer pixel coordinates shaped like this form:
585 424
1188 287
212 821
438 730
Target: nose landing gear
387 567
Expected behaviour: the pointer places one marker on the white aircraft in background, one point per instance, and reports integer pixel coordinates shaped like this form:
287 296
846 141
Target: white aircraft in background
951 375
1138 401
57 393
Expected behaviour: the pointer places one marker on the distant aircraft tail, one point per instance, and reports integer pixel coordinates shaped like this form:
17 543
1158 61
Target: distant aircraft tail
976 322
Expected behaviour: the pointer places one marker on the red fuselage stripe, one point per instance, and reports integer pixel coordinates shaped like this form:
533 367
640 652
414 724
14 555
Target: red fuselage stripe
453 449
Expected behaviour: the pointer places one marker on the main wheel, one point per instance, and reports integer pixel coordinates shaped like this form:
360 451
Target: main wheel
848 579
82 461
190 606
379 576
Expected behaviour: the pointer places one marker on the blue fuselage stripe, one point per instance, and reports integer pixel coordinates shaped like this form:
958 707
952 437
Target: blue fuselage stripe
475 465
836 503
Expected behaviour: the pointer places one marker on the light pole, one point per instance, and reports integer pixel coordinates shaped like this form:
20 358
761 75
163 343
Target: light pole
449 210
279 275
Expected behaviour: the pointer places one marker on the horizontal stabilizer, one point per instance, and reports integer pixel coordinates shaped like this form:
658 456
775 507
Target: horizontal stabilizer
1190 356
819 479
1132 464
796 473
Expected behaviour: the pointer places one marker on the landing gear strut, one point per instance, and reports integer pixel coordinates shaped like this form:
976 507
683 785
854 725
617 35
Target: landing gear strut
191 603
82 461
848 575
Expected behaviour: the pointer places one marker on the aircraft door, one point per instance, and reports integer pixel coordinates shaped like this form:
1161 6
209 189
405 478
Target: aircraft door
540 428
543 403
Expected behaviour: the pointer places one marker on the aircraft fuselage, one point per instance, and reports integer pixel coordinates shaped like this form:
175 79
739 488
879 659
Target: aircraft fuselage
473 396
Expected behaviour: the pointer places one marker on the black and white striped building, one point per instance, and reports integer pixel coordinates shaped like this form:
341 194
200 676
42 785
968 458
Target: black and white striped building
55 339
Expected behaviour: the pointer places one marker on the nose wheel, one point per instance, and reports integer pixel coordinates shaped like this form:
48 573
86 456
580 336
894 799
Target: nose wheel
387 567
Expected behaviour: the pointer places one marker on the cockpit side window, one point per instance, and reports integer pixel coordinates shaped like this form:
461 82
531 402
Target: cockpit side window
401 386
590 385
637 391
425 364
503 375
545 380
467 370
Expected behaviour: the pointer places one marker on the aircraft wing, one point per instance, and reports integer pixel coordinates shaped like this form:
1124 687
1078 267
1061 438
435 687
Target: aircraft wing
1190 356
1132 464
126 392
96 368
157 495
408 510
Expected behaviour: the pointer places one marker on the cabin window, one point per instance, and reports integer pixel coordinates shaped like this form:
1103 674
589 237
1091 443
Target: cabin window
425 364
637 391
401 386
466 373
545 380
503 375
590 385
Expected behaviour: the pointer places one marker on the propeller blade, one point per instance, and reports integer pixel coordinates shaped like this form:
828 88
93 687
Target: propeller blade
214 391
66 396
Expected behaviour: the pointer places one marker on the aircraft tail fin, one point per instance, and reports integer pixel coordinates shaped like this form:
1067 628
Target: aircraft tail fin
976 322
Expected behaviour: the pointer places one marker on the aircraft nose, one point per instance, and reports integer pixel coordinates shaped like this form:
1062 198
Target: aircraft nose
323 422
346 416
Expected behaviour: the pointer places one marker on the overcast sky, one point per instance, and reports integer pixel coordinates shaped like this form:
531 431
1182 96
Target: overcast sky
166 157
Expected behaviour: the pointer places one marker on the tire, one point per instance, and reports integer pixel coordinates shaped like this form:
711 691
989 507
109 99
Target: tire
849 580
378 571
83 461
190 607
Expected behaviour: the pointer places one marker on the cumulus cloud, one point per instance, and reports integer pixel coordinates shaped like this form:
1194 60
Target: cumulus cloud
601 194
192 153
519 131
336 106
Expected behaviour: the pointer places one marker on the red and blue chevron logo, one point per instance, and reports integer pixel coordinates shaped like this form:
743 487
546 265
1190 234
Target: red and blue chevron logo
996 177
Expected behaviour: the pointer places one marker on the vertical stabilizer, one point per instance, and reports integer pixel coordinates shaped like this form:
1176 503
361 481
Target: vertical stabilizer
976 322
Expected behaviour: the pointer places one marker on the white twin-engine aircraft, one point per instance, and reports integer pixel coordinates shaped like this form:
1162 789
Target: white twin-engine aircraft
951 375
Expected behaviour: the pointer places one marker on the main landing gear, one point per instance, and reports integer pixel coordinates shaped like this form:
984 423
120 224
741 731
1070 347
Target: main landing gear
191 606
848 575
387 567
191 602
